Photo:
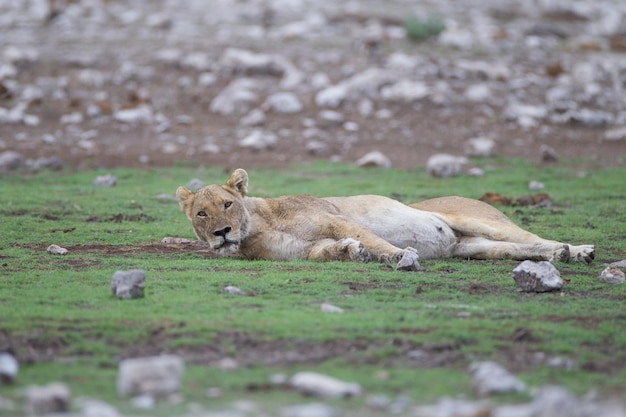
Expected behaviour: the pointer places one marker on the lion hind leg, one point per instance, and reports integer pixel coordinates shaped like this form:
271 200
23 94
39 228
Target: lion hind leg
481 248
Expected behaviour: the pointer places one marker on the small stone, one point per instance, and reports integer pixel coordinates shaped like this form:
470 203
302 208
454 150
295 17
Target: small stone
57 250
256 117
548 154
10 160
479 147
443 165
612 275
283 102
615 135
105 181
144 402
319 385
156 376
195 184
309 410
140 114
175 241
229 289
536 185
72 118
259 140
327 307
374 159
491 378
53 163
128 284
52 398
537 277
9 368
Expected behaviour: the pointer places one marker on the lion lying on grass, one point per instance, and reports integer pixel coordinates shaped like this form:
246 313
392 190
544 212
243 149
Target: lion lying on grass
360 228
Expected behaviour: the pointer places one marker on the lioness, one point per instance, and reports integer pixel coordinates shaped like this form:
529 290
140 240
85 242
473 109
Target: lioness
360 228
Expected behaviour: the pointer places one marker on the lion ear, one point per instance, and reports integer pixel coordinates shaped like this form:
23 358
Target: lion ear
239 181
185 199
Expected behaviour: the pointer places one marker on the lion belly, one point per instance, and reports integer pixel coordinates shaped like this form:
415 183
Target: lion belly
399 224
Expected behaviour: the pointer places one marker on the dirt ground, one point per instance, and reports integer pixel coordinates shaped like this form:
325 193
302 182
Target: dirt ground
93 58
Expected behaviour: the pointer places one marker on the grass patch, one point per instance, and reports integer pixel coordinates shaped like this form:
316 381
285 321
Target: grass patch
421 29
401 333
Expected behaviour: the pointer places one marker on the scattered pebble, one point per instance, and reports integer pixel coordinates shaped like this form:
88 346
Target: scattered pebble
229 289
57 250
444 165
155 376
105 181
9 368
128 284
491 378
537 277
326 307
374 159
612 275
48 399
324 386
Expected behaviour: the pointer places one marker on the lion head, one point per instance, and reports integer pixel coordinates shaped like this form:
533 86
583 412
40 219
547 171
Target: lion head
217 212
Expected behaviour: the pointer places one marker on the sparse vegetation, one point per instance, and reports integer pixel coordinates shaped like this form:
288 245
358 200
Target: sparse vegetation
421 29
58 315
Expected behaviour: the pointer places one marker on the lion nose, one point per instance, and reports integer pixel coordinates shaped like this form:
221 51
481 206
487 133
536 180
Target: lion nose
223 232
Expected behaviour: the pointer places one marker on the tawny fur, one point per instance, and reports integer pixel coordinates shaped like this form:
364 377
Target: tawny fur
360 228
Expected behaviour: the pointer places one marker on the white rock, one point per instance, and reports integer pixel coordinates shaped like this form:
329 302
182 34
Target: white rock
479 147
259 140
525 114
374 159
255 117
140 114
9 368
199 61
316 147
451 407
537 277
57 250
491 378
283 102
444 165
128 284
478 93
319 385
536 185
48 399
230 289
175 241
158 376
236 99
331 96
309 410
615 135
327 307
365 84
105 181
406 91
72 118
612 275
96 408
10 160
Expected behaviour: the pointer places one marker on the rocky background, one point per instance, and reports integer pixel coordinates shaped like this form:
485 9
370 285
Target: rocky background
267 82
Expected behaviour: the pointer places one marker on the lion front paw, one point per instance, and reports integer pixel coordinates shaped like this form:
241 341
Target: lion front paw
561 254
408 260
355 250
583 253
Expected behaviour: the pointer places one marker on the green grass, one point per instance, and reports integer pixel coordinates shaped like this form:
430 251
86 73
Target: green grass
59 314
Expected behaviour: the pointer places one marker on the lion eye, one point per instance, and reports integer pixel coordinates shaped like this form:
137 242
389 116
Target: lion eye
228 204
202 213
